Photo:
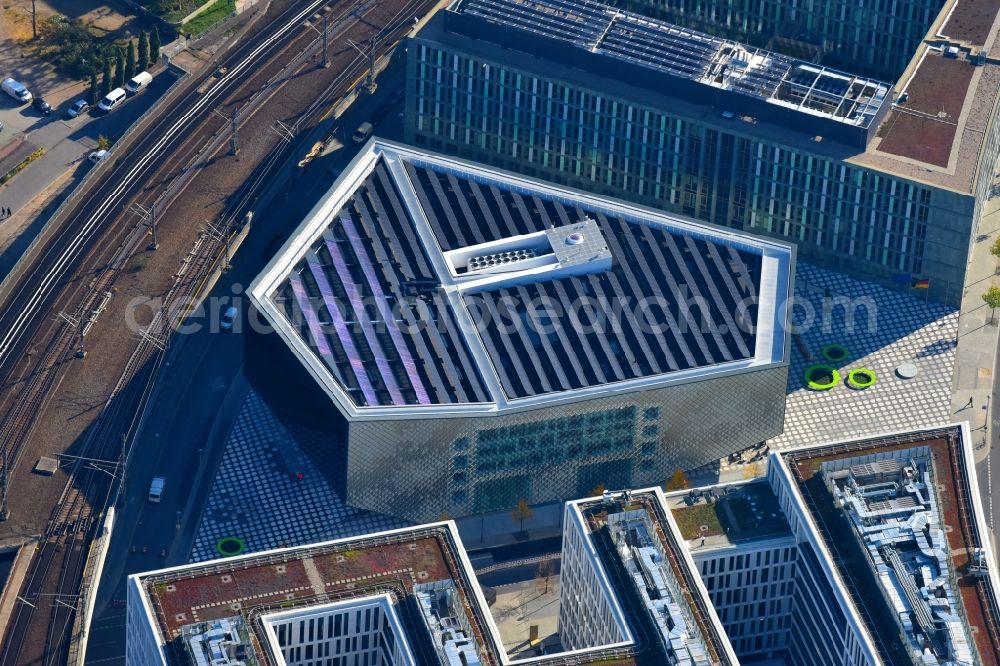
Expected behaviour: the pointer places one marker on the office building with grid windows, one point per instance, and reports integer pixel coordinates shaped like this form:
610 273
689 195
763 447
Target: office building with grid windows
756 572
489 337
411 597
884 182
838 555
774 592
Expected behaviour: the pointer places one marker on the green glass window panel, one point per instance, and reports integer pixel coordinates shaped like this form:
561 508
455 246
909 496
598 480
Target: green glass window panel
555 441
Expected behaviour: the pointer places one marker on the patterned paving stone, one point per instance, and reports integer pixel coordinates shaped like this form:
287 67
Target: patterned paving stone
258 496
887 329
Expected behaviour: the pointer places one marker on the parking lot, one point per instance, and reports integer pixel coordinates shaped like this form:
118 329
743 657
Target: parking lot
66 143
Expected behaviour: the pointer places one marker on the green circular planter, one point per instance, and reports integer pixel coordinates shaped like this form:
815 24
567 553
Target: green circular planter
861 378
230 546
835 353
821 377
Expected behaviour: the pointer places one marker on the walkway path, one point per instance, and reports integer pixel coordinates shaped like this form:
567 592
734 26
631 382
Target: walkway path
974 384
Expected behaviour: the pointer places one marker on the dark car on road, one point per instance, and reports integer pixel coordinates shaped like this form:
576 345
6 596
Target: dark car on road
40 105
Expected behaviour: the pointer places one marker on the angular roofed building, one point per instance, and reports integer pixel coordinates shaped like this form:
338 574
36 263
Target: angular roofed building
874 548
494 338
883 180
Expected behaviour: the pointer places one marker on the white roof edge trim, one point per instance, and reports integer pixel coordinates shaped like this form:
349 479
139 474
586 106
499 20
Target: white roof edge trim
449 525
986 542
778 470
689 562
971 478
383 600
778 258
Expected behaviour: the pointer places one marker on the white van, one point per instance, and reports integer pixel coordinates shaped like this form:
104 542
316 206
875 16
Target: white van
138 82
156 489
363 132
16 90
112 100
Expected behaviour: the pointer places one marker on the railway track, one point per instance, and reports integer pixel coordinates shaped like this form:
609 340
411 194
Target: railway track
94 215
50 596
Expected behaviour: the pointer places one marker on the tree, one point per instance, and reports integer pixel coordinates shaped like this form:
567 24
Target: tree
119 68
94 88
103 143
545 570
106 78
995 248
521 513
992 298
154 46
678 481
130 60
143 56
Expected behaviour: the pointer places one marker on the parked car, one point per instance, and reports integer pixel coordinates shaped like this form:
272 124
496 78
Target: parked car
79 108
112 100
42 106
98 156
16 90
138 83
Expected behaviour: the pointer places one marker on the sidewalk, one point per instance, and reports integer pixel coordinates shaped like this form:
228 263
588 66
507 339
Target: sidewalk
977 338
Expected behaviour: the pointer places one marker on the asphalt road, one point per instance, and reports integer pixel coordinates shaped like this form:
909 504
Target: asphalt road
201 390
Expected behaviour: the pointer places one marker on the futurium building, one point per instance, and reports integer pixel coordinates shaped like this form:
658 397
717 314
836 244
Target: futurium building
870 552
883 181
477 338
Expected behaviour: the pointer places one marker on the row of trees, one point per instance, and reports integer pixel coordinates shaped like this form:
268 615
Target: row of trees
125 64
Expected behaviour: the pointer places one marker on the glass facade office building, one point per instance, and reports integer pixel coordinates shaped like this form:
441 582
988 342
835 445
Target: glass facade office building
553 117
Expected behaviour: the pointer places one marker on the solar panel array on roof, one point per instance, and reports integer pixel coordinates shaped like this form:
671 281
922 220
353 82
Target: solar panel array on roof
582 22
344 297
688 54
700 296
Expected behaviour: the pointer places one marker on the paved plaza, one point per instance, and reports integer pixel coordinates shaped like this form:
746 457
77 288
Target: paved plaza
258 496
887 329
